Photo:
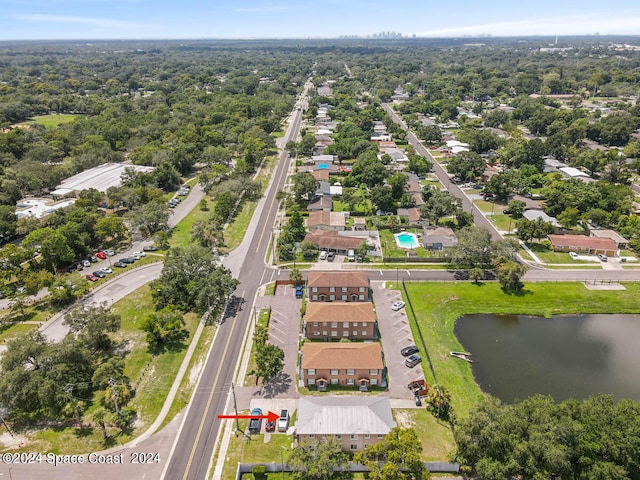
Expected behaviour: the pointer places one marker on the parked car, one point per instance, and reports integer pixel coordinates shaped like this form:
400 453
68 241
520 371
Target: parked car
283 421
91 277
270 426
410 350
101 255
99 274
298 291
106 270
418 401
255 423
111 253
149 248
138 254
397 306
119 264
413 360
128 260
359 258
573 255
323 255
330 256
86 263
93 259
602 257
79 266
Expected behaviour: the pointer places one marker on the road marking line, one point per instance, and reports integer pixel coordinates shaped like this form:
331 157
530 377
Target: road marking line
213 390
380 272
408 273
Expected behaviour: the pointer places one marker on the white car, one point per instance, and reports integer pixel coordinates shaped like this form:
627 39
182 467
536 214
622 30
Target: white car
106 270
138 254
397 306
573 255
323 255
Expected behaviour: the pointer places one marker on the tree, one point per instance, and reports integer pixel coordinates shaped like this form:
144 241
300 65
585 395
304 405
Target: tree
397 457
193 281
101 416
8 221
304 186
510 274
438 205
91 325
295 275
516 208
150 217
309 249
316 459
110 229
269 362
382 198
466 165
164 328
398 182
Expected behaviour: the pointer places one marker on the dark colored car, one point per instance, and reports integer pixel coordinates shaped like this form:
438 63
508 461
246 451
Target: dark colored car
128 260
298 291
99 274
410 350
92 278
93 259
270 426
255 423
149 248
119 264
331 256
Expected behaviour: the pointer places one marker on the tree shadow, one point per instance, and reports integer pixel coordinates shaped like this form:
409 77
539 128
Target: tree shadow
517 293
281 383
83 431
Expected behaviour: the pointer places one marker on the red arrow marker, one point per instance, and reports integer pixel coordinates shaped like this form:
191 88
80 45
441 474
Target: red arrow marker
271 417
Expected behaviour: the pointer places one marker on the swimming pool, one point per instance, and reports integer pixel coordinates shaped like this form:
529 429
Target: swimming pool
407 240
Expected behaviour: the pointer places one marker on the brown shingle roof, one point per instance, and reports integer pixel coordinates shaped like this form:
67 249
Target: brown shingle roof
341 355
321 175
337 279
326 218
340 312
330 240
580 241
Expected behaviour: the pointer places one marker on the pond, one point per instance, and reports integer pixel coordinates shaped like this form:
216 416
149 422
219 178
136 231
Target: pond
568 356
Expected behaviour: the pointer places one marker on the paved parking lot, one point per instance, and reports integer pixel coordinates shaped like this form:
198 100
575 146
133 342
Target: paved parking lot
395 334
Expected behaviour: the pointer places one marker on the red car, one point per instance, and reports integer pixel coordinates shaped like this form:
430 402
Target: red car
270 426
101 255
92 278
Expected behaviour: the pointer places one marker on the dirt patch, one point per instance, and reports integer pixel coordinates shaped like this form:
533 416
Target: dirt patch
404 419
12 442
194 374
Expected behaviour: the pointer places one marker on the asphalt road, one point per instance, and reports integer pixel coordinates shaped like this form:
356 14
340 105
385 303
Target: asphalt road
194 446
479 219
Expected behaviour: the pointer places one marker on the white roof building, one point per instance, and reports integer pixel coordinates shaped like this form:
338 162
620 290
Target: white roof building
340 415
101 178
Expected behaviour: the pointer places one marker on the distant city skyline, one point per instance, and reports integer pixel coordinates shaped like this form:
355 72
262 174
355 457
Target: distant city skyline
191 19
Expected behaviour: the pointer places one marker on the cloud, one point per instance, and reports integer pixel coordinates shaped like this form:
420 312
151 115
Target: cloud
623 22
89 21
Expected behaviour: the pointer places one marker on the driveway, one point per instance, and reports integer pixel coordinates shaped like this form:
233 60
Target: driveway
395 334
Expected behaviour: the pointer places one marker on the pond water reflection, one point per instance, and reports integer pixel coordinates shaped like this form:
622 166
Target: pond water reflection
568 356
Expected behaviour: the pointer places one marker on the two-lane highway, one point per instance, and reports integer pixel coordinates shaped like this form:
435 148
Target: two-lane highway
193 449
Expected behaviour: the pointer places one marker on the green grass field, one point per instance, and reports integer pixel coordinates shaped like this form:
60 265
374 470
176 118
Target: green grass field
51 121
439 305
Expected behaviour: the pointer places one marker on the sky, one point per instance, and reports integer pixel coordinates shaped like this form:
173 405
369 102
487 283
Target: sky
196 19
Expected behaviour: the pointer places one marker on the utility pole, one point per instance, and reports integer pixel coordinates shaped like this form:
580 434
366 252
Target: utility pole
235 405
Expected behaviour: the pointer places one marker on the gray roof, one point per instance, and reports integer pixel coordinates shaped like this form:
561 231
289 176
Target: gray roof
343 415
534 214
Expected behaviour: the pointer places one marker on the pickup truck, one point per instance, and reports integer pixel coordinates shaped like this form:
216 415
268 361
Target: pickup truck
255 424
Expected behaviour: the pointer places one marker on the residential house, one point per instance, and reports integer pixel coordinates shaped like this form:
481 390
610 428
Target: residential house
581 243
438 238
535 213
323 203
356 421
359 223
332 241
352 320
357 364
344 286
326 220
412 215
613 235
571 172
321 175
324 188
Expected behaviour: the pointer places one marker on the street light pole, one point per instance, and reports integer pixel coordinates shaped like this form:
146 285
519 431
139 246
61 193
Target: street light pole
282 459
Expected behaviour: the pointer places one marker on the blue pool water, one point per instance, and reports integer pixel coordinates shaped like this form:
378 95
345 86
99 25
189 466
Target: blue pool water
407 240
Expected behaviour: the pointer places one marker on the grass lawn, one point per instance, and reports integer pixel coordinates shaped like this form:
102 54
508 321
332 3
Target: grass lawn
495 207
439 305
502 221
436 437
236 230
10 330
549 256
181 233
54 120
263 321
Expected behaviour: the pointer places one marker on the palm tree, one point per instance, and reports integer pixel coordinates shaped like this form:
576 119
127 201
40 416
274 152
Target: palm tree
99 416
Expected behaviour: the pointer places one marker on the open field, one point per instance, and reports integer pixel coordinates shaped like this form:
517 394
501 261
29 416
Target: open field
439 305
53 120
